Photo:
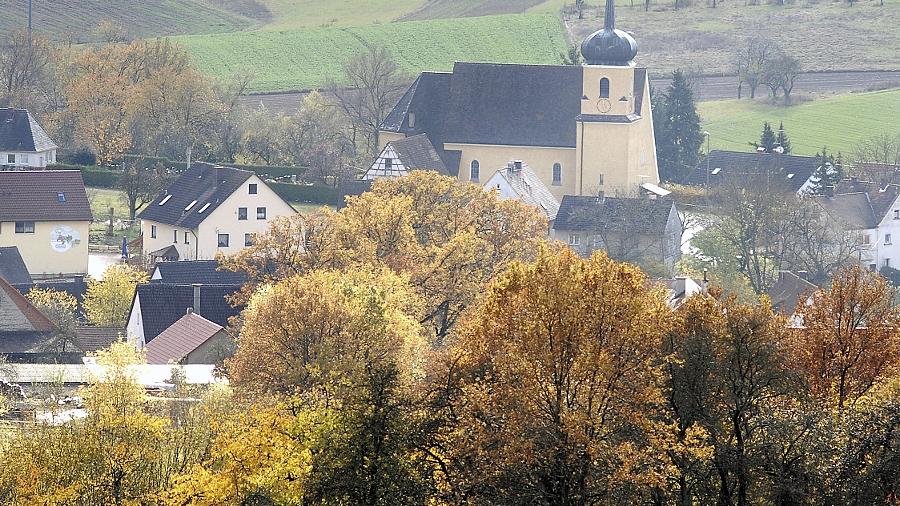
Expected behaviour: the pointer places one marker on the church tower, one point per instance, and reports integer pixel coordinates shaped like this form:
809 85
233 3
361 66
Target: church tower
615 148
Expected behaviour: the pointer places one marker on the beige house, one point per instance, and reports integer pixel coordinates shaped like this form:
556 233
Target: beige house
23 143
208 210
47 216
581 129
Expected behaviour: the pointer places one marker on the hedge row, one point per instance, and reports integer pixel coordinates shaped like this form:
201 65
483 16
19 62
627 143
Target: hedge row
98 177
307 193
264 171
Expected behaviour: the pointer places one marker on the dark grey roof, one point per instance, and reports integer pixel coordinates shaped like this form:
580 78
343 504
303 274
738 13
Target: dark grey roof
853 210
633 215
90 338
417 153
352 188
162 304
188 272
786 292
19 131
737 166
12 267
609 46
204 183
881 197
33 195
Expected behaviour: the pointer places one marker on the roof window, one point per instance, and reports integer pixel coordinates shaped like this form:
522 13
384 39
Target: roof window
60 196
716 171
204 208
166 199
790 176
192 204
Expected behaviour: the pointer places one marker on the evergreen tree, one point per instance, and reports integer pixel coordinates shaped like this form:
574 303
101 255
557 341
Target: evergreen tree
677 131
783 139
767 139
828 173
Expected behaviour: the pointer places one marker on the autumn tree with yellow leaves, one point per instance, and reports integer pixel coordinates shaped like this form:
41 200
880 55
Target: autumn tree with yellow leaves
108 300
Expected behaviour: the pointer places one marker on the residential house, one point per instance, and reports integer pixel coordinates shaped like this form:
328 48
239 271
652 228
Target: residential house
47 216
191 340
680 288
870 213
13 269
23 143
400 157
90 339
26 334
581 128
518 182
789 291
639 230
720 167
156 306
188 272
209 210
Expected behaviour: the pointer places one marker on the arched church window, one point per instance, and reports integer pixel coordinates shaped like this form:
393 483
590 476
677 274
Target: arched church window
473 170
604 88
557 173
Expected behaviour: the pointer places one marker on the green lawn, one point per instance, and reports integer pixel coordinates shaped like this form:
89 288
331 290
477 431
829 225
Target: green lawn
101 200
307 58
838 122
293 14
76 20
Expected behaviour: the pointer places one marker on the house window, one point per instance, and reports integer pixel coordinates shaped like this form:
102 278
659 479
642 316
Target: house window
260 213
887 262
557 174
872 267
153 231
248 239
223 240
411 119
897 214
473 171
601 180
388 163
187 238
887 238
242 213
24 159
24 227
253 189
865 239
604 88
175 240
574 240
11 159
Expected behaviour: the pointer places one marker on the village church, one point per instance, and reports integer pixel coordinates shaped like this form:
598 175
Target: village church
582 129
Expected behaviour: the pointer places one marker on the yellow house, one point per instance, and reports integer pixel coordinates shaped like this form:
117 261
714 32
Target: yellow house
47 216
581 129
208 210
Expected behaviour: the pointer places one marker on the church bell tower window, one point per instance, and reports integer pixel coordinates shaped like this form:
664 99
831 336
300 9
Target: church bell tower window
604 88
473 170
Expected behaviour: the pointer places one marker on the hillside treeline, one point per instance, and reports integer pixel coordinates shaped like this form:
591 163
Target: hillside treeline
424 345
144 97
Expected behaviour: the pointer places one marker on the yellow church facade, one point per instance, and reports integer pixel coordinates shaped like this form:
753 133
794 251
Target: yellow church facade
582 129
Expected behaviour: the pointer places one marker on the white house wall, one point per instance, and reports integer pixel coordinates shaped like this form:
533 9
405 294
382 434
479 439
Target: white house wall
28 158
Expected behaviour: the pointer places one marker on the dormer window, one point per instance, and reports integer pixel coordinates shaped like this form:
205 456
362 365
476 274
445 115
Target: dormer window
61 197
604 88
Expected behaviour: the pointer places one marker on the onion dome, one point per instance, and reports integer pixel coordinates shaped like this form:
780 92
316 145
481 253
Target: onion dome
609 46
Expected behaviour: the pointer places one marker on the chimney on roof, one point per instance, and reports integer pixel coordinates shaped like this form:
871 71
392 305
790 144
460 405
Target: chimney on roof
804 275
517 166
600 196
196 307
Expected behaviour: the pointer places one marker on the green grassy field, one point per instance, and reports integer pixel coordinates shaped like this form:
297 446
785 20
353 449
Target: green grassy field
76 20
101 200
839 123
307 58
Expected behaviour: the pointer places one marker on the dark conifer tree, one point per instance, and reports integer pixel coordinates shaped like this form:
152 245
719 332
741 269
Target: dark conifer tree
767 139
783 139
677 131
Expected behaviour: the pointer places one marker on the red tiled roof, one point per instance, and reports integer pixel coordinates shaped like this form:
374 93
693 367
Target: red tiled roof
35 317
33 195
181 338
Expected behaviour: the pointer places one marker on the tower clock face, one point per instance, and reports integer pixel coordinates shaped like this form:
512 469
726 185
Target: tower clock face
603 105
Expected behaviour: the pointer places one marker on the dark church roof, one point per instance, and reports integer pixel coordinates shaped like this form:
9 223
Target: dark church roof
633 215
19 131
43 195
163 304
204 184
730 166
498 104
609 46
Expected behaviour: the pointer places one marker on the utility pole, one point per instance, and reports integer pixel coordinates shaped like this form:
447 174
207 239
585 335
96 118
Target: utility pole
29 24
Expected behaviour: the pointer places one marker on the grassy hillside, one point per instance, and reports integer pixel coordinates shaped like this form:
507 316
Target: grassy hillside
293 14
298 59
823 35
76 19
838 123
